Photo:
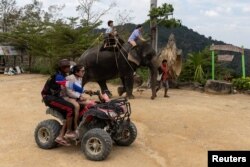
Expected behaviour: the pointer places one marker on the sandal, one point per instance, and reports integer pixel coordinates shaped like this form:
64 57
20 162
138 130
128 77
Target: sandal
70 135
62 142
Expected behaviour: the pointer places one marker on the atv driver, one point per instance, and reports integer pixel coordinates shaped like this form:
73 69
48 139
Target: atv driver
53 93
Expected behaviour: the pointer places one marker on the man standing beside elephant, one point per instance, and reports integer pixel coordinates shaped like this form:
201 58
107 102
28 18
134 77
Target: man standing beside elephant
164 70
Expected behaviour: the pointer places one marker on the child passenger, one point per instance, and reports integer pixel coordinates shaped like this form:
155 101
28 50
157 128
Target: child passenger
75 91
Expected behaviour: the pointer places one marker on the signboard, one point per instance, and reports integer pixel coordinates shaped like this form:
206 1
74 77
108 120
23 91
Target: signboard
227 58
9 51
227 48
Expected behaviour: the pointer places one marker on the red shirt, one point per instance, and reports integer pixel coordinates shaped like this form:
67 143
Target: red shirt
165 70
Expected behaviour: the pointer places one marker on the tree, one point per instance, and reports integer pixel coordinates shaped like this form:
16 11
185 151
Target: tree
196 60
53 14
46 37
32 14
9 14
89 16
160 16
73 21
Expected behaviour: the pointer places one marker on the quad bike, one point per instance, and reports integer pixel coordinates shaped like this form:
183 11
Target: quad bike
102 123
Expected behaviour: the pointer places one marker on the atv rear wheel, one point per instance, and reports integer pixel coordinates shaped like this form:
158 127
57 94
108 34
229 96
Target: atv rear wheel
96 144
128 134
46 133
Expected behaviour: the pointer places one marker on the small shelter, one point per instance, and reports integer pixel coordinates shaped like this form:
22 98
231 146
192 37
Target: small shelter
11 57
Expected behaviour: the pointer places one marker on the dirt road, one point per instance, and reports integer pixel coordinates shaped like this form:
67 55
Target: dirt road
172 132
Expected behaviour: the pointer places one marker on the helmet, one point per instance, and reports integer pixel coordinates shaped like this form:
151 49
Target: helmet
64 63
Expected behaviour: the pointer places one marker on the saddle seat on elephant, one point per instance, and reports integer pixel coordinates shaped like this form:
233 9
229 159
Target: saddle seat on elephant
111 43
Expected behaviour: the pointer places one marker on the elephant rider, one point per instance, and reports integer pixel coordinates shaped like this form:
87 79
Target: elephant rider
136 34
110 34
53 93
110 30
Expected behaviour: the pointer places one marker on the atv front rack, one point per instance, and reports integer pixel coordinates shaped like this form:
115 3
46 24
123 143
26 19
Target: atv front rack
120 106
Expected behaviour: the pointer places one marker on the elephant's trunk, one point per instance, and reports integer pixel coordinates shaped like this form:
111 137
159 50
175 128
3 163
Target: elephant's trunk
153 76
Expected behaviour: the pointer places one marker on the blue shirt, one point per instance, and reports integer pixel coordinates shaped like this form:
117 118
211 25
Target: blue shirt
60 78
135 35
75 86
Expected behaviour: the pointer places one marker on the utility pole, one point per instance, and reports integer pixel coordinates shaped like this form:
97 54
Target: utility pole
154 34
153 27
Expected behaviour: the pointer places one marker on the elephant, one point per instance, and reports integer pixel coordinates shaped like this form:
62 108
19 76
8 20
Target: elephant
104 65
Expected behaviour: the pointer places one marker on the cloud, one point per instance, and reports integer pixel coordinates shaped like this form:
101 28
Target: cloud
246 9
223 9
211 13
218 11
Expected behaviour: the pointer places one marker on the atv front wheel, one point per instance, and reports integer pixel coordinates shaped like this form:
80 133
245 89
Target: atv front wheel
96 144
46 133
128 134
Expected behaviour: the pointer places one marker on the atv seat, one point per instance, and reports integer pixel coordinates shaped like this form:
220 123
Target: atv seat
56 114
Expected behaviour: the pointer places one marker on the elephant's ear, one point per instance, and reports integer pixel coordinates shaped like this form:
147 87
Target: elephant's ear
134 58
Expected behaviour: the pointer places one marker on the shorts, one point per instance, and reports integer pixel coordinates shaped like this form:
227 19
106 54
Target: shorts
165 84
59 104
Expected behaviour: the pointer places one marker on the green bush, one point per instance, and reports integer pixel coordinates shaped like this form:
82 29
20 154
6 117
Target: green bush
143 72
242 84
40 70
43 66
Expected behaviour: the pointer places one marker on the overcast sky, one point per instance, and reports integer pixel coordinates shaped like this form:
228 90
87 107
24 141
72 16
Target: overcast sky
226 20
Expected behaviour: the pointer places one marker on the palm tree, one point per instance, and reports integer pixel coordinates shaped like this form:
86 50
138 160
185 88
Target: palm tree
197 61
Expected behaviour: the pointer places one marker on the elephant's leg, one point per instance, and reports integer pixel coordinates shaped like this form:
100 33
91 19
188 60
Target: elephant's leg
121 89
104 87
129 81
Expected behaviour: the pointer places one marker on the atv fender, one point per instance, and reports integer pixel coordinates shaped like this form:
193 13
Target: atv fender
91 113
87 118
95 113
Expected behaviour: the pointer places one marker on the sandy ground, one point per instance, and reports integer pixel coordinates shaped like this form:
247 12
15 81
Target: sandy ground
171 132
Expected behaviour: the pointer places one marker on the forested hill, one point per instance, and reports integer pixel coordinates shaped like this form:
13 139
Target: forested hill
186 39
